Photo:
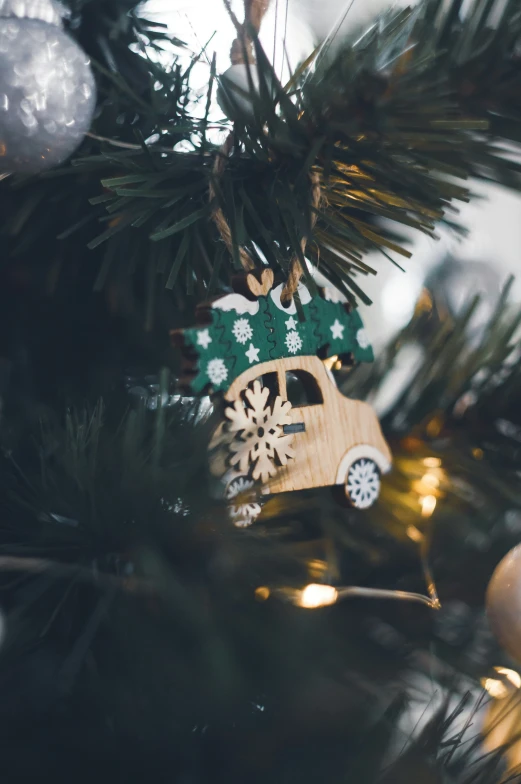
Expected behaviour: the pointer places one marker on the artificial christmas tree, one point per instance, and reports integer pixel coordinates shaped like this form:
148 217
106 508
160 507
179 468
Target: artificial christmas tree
146 637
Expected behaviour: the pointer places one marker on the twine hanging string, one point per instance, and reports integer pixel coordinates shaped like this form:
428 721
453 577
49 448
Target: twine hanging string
242 48
242 52
295 271
218 215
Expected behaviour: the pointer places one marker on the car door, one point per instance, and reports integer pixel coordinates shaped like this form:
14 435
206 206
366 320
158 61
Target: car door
303 381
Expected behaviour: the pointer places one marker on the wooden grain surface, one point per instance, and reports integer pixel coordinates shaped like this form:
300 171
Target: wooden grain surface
332 428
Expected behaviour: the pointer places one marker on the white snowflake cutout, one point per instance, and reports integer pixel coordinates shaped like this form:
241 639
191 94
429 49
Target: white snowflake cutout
242 330
217 371
293 342
362 338
259 445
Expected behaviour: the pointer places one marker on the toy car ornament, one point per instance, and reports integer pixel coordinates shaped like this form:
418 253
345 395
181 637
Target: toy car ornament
285 424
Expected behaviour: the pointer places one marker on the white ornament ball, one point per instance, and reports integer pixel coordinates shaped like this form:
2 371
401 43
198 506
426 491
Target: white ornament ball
504 602
234 95
47 90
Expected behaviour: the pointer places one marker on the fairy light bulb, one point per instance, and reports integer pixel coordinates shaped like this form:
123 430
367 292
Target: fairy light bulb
503 684
314 596
428 505
432 462
502 718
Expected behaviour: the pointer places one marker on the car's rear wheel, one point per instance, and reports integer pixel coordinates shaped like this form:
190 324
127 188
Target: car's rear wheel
244 506
362 486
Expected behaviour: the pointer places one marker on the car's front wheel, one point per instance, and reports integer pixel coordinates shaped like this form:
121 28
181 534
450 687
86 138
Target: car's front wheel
362 485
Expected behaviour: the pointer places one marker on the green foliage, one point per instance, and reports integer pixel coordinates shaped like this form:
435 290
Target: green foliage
130 599
393 125
146 598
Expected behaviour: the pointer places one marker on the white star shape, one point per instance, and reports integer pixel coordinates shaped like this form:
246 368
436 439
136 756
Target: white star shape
252 353
291 323
338 330
203 338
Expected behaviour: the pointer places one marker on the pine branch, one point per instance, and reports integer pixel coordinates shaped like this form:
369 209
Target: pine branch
201 624
38 566
390 125
88 495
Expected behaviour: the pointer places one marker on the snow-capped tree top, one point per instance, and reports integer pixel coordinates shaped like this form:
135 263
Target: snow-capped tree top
245 332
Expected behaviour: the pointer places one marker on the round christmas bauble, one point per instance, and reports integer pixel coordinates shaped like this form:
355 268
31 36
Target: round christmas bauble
504 602
454 282
47 90
235 96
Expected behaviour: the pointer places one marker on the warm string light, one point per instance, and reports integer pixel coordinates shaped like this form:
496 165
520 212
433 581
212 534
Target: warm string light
500 688
428 490
315 596
262 593
431 480
415 534
428 487
432 462
502 718
428 505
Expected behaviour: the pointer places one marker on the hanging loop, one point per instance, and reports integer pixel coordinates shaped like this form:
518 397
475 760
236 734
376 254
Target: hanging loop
242 52
242 48
295 271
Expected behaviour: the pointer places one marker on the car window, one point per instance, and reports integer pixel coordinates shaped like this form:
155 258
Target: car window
270 380
303 389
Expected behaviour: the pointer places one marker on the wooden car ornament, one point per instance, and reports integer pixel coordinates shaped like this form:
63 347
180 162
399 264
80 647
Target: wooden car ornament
285 425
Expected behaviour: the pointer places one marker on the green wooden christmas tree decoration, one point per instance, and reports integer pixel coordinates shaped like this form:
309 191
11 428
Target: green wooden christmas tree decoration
242 331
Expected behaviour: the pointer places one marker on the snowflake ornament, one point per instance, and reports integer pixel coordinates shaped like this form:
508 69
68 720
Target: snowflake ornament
362 338
293 342
243 509
363 484
217 371
242 341
259 444
242 330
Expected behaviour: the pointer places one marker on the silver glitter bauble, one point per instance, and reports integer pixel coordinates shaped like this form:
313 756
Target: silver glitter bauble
504 602
47 90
